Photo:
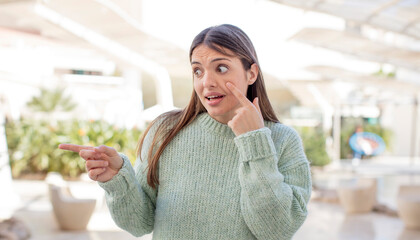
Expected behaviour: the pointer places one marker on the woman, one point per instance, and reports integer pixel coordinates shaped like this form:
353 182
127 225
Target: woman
222 168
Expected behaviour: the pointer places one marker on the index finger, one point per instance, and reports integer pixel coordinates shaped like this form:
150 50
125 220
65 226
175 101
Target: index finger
237 93
73 147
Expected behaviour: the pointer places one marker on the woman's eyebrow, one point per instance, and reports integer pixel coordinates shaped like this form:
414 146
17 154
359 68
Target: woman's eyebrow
213 60
220 59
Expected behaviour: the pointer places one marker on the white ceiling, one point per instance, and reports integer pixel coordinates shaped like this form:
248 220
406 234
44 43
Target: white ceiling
102 17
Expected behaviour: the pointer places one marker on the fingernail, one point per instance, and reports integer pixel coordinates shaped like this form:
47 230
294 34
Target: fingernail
228 84
106 163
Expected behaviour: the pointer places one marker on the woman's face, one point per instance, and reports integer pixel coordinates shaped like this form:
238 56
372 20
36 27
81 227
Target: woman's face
211 71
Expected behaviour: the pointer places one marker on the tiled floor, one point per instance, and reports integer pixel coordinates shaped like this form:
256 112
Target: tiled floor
36 212
325 221
328 221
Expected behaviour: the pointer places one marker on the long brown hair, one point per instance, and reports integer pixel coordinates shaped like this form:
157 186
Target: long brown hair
217 38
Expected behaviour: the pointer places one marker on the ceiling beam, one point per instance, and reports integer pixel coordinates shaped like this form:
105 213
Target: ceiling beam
409 25
317 3
315 8
115 49
380 9
359 46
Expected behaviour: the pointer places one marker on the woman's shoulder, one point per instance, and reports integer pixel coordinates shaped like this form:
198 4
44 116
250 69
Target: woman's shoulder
161 124
166 119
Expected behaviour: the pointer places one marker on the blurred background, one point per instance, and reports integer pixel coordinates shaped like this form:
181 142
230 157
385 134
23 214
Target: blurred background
96 72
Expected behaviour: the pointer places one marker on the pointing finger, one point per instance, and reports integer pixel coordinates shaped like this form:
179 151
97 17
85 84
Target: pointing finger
237 93
74 147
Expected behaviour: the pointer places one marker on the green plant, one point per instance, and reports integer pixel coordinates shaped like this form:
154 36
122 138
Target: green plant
33 144
314 145
51 100
382 73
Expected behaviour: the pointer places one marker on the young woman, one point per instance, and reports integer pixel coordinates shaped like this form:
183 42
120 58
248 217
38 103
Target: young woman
221 168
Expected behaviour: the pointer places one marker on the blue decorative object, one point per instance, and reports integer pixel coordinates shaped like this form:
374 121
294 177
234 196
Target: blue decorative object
367 143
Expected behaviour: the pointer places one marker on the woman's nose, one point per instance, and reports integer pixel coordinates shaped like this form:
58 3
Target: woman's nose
209 80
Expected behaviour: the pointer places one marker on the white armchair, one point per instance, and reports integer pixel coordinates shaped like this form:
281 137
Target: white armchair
71 213
408 202
359 196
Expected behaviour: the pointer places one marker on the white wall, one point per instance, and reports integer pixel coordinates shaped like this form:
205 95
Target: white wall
8 200
399 119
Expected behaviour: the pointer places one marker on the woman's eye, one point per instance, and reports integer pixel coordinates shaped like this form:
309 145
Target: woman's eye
222 69
197 72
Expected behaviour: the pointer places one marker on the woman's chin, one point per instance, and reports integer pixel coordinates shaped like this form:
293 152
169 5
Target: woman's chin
219 116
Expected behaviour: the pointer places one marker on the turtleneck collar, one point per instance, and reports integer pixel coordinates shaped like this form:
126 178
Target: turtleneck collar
213 126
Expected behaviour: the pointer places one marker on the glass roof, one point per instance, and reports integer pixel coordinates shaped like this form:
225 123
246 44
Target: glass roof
401 16
359 46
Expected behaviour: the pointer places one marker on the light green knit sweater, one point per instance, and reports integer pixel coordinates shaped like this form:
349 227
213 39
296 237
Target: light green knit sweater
214 185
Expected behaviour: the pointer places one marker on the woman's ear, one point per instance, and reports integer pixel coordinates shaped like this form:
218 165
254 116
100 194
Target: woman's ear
252 74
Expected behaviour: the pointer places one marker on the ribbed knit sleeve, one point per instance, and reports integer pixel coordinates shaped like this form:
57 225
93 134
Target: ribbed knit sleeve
275 182
130 199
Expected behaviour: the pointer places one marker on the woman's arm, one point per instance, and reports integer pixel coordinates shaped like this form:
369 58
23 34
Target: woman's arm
275 182
130 200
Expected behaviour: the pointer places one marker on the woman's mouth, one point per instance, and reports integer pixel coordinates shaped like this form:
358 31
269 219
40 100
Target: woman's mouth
214 99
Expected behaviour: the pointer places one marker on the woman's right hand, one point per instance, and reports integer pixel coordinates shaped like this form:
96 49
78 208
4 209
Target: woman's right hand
102 163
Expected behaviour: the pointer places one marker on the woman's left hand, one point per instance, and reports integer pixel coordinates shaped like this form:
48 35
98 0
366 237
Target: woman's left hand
247 117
